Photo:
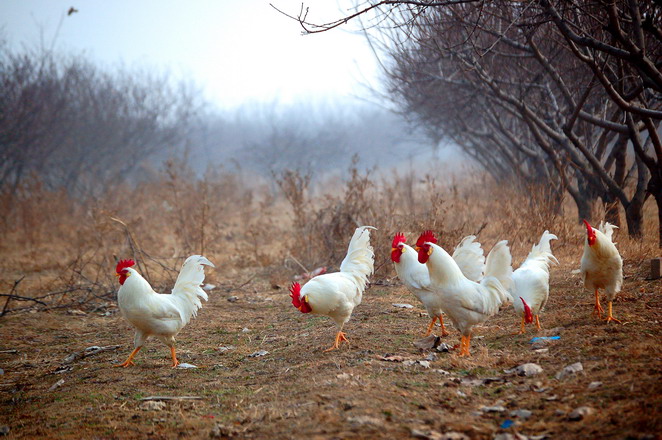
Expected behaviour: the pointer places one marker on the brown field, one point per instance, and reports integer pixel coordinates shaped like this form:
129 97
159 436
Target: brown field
296 390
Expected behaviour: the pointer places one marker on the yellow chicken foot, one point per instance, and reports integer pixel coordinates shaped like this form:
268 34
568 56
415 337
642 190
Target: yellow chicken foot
443 327
339 338
175 362
521 329
464 344
538 326
431 326
598 310
609 315
129 360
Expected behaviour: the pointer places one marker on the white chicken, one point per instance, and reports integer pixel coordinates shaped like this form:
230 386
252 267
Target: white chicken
156 314
531 281
414 275
467 302
602 266
336 294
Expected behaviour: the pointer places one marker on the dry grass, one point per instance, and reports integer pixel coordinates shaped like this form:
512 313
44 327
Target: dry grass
297 390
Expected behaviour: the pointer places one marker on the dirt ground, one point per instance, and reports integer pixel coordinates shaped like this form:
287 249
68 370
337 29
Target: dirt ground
296 390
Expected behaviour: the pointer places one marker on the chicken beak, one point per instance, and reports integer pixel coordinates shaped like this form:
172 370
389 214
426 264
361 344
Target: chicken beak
417 249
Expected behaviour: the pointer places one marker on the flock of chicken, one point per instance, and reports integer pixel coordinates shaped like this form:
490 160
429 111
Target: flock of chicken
466 286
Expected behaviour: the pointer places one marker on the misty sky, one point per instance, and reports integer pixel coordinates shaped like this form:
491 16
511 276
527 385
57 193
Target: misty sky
236 51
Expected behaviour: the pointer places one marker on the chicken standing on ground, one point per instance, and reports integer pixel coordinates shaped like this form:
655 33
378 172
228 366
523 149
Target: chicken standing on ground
602 266
156 314
336 294
531 282
414 275
467 302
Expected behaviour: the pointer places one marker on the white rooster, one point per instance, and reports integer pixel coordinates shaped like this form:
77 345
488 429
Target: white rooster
531 281
467 302
156 314
602 266
336 294
414 275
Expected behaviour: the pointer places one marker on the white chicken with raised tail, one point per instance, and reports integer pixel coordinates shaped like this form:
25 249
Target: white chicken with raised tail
156 314
468 255
530 289
602 266
467 302
337 294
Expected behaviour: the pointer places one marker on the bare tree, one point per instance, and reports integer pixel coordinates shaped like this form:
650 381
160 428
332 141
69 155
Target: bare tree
565 93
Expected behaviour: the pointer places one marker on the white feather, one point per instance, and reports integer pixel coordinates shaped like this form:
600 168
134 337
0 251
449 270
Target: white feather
601 265
466 302
337 294
163 315
531 279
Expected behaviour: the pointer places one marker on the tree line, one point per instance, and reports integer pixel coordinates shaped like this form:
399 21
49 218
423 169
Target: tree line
563 94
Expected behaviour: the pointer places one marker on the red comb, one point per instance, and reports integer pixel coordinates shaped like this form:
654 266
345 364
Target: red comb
399 238
295 293
123 264
427 236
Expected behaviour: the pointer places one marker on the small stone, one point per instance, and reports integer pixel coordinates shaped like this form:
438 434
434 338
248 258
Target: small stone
509 436
427 343
529 369
365 420
153 405
76 312
258 353
186 366
233 298
403 306
594 385
559 412
408 363
570 370
580 413
431 357
222 431
224 348
2 371
209 287
4 430
453 435
492 409
57 384
442 372
521 413
424 364
245 330
426 435
443 348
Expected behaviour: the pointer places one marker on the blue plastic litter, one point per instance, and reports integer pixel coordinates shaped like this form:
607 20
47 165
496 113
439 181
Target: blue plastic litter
539 338
507 424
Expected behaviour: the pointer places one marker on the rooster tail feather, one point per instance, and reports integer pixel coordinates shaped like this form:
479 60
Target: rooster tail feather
497 296
360 258
499 264
469 255
607 229
541 253
188 285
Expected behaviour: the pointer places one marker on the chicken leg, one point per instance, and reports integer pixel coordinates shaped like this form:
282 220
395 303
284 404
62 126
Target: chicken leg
464 346
175 362
129 360
538 326
598 310
431 326
339 338
521 330
609 315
